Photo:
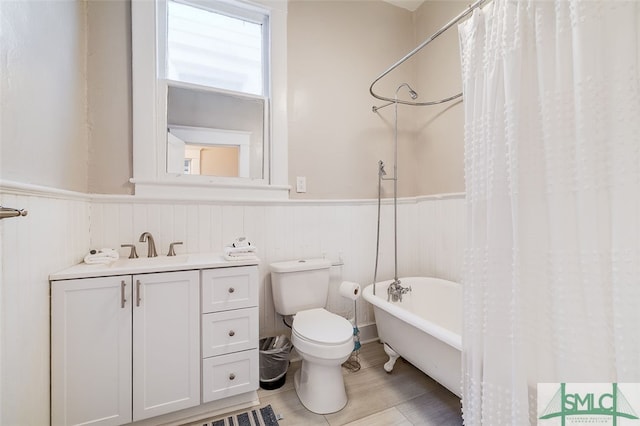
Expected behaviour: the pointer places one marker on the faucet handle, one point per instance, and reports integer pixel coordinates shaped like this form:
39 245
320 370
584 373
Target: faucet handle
172 252
133 254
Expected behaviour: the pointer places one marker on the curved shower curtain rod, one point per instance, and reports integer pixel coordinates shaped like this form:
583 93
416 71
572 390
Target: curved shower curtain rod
391 101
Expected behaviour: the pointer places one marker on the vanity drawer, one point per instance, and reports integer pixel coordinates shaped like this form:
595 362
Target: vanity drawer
228 375
229 331
229 288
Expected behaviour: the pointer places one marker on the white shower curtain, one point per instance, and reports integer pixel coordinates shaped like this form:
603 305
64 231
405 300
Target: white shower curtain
552 168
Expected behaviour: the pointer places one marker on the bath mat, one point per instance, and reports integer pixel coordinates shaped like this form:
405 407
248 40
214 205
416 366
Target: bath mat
258 417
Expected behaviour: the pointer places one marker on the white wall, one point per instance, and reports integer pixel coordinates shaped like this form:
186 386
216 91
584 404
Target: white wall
439 144
334 138
43 129
109 97
336 49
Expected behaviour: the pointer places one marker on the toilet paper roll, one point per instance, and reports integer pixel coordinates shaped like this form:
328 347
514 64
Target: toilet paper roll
350 290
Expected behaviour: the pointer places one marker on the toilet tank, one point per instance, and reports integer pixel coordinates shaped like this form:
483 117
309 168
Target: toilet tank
298 285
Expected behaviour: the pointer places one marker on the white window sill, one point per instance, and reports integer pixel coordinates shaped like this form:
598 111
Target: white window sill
225 191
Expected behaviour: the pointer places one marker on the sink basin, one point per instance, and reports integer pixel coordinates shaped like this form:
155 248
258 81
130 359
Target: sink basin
181 262
143 262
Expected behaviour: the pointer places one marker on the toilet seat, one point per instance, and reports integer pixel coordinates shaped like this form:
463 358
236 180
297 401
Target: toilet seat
321 327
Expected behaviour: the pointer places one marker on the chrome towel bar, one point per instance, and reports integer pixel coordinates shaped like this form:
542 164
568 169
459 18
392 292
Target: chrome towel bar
6 212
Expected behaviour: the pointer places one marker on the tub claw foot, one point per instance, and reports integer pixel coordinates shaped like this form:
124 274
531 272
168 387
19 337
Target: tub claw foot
393 357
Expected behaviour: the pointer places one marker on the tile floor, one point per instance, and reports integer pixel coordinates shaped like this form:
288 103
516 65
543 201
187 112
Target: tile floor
404 397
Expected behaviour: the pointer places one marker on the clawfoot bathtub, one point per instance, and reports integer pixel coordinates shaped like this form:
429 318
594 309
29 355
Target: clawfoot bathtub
424 328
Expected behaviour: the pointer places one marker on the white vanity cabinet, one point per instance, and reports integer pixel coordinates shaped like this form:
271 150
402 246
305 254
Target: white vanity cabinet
124 348
229 332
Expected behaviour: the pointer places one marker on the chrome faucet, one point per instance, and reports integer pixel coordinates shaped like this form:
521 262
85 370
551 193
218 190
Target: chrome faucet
147 237
395 291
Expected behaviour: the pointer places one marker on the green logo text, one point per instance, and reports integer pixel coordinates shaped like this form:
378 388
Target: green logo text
613 404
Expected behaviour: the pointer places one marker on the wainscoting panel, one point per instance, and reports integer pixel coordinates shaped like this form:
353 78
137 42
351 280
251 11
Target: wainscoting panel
430 238
442 226
53 236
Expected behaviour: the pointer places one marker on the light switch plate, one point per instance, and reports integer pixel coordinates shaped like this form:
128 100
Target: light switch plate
301 184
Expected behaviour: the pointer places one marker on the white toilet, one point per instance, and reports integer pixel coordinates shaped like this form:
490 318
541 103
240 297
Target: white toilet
324 340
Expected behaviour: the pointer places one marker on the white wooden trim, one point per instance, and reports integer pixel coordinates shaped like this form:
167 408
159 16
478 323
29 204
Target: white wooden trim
27 189
17 188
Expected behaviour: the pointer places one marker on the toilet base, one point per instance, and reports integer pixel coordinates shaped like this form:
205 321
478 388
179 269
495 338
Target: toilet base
320 388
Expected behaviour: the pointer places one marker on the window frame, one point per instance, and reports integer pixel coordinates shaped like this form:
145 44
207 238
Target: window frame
150 89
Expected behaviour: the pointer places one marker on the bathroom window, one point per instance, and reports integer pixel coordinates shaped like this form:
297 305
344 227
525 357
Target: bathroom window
222 47
211 64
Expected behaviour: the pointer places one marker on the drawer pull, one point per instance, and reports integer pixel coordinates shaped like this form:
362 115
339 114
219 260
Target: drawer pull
231 289
232 333
232 376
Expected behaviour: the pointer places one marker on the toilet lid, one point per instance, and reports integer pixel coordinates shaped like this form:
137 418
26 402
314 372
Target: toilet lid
321 326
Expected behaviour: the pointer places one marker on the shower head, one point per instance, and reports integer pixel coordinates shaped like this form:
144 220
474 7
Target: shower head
412 92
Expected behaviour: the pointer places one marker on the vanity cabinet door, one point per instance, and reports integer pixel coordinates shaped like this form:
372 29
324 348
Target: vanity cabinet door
91 351
166 343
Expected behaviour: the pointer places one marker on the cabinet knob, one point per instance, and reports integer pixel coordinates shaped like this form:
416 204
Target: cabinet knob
231 289
232 376
232 333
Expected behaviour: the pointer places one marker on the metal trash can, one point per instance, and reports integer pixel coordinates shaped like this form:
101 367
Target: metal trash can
274 361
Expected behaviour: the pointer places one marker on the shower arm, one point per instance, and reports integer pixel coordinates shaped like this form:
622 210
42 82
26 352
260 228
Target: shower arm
391 101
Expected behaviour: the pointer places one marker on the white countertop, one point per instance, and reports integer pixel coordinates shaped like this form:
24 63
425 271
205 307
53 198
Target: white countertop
142 265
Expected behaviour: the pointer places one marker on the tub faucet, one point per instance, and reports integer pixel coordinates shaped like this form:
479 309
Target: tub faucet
147 237
395 291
